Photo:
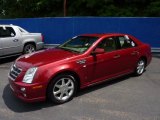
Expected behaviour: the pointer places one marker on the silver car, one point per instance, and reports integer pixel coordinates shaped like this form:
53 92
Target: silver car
16 40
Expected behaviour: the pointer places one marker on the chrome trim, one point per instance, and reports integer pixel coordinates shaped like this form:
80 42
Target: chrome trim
92 84
11 47
14 72
10 77
14 75
11 88
81 61
39 43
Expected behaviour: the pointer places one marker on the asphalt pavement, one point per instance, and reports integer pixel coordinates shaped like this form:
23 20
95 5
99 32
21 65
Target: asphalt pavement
126 98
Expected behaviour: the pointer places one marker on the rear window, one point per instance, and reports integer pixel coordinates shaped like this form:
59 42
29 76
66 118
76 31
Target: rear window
125 42
22 30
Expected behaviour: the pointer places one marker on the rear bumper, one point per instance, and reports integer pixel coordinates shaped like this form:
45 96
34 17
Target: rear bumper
39 45
32 92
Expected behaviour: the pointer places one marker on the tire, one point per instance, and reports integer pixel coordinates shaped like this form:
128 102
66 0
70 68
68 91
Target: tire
29 48
140 68
62 88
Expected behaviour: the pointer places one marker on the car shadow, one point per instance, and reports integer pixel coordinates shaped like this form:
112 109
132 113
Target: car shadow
104 84
19 106
16 105
8 60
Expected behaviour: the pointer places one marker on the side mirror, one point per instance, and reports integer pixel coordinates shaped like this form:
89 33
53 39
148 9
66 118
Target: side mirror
98 51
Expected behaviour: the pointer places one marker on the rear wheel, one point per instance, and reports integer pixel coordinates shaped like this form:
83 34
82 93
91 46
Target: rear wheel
140 67
29 48
62 88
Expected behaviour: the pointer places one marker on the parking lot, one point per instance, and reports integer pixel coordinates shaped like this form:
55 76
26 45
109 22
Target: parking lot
126 98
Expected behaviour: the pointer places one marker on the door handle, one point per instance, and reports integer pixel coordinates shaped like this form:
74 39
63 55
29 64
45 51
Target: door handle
116 56
15 40
135 53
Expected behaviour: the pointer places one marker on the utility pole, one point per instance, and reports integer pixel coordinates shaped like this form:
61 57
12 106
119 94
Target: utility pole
65 7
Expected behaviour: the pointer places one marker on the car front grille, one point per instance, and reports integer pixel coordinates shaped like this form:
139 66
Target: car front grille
14 72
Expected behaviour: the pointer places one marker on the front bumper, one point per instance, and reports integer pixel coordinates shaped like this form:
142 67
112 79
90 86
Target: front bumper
28 92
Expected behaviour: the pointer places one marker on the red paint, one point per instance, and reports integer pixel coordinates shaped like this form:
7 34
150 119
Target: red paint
97 68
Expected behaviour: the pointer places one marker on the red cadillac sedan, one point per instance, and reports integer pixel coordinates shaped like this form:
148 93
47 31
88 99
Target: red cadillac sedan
80 62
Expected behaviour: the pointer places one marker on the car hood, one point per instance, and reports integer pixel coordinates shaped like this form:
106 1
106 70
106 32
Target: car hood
43 57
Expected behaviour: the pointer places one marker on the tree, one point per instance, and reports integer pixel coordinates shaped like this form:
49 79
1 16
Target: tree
54 8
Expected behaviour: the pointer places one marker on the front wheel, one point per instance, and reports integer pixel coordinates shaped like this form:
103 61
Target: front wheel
29 48
140 67
62 88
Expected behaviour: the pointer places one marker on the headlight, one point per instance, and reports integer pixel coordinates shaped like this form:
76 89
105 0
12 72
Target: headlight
28 78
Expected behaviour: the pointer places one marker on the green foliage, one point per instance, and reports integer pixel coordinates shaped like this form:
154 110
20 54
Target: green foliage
153 9
54 8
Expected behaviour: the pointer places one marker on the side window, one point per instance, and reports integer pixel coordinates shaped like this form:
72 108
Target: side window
7 32
125 42
21 30
108 44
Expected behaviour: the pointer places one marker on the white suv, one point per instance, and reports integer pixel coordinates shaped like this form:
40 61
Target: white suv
16 40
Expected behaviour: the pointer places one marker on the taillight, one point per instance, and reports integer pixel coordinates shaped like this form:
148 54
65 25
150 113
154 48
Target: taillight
42 38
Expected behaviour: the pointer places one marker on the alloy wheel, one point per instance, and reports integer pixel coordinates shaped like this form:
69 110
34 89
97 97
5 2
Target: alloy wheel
140 67
63 89
29 49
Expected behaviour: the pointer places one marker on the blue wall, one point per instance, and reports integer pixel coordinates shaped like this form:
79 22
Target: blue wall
57 30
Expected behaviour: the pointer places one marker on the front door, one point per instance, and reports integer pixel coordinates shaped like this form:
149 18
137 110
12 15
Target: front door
105 65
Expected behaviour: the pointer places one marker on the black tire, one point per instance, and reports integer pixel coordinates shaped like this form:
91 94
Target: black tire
52 90
29 48
140 68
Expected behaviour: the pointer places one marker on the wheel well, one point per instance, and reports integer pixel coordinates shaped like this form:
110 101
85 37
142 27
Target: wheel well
145 59
71 73
33 43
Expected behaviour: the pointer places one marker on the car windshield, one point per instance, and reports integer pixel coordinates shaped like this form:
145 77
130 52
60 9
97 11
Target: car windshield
78 44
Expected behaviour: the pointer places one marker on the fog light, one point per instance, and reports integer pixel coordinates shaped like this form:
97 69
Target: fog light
24 95
23 89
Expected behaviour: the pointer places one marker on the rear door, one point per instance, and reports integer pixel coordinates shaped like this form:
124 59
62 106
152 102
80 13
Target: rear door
128 51
10 42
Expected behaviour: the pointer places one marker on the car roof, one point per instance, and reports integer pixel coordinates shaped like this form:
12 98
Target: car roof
6 25
103 34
